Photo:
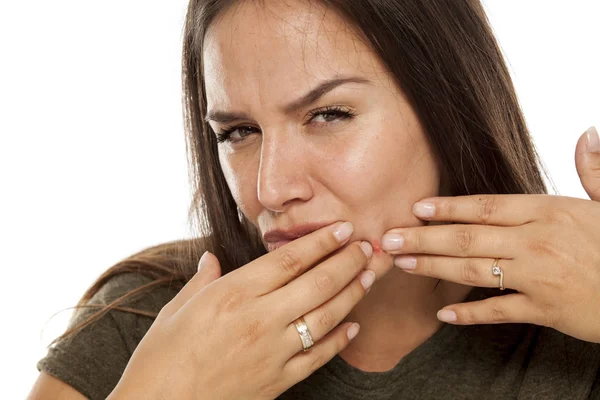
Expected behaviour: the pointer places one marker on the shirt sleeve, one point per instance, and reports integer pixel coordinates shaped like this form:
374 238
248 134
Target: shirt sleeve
93 360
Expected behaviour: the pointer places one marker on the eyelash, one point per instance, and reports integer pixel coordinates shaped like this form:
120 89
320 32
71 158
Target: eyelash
341 113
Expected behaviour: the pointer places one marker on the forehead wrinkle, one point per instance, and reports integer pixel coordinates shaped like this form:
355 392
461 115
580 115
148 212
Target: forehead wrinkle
279 26
284 28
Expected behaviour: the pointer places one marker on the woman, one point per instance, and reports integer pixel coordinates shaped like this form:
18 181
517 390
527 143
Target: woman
313 128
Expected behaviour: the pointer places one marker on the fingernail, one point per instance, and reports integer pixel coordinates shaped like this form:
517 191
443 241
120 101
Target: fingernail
392 241
593 141
353 331
343 231
446 316
405 262
424 209
202 261
367 278
366 248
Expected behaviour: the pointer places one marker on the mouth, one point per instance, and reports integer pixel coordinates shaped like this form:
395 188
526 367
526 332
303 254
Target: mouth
276 238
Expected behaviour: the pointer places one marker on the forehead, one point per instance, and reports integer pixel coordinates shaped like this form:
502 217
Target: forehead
264 52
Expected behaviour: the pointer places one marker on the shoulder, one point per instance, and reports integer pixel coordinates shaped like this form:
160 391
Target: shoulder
130 302
116 312
93 359
141 290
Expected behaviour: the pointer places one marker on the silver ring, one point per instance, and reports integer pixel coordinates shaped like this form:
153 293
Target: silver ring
305 337
496 270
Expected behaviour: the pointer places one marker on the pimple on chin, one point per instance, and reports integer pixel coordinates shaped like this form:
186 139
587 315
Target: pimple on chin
376 246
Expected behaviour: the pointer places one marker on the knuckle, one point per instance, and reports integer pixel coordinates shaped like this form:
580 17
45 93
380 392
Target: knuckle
326 244
463 239
497 314
426 265
488 207
470 273
325 319
324 283
548 283
470 316
540 247
230 301
447 209
555 215
252 331
416 240
290 263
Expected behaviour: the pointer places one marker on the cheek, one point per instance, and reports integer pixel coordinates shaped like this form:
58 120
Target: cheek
382 170
241 177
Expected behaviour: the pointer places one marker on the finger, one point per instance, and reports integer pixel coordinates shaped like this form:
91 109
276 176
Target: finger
587 162
277 268
453 240
489 209
323 319
320 284
305 363
464 270
209 270
510 308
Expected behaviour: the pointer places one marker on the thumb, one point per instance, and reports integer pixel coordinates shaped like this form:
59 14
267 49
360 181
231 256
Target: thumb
209 266
209 270
587 162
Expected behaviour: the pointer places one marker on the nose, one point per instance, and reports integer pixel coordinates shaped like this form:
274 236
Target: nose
283 177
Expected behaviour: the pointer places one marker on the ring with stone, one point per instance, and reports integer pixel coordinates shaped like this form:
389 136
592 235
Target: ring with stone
496 270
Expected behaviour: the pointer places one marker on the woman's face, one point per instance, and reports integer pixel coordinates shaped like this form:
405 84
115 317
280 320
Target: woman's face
353 150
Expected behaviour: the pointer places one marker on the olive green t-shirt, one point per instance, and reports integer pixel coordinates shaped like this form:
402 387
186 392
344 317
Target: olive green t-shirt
505 361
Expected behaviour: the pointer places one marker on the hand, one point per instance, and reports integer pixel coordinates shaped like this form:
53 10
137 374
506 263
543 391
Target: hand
234 336
548 249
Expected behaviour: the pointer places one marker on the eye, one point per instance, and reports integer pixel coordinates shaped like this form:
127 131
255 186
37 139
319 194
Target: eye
330 114
225 134
326 115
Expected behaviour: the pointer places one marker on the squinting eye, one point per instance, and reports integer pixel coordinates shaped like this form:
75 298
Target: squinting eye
330 114
327 115
225 135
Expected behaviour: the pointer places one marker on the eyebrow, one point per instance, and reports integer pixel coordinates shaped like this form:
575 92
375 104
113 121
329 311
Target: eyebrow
315 94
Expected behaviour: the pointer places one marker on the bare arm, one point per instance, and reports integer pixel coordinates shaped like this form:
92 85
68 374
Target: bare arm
47 387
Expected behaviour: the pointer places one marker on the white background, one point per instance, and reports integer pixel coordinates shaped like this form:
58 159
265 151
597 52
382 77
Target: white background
92 153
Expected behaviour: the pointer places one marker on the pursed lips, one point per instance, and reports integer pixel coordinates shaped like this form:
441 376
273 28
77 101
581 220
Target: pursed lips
279 237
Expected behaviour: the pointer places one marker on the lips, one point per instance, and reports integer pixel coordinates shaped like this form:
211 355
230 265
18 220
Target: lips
279 237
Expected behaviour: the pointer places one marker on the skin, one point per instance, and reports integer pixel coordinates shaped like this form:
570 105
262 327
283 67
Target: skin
285 169
547 247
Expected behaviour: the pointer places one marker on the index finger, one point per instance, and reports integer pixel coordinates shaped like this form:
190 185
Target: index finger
276 269
486 209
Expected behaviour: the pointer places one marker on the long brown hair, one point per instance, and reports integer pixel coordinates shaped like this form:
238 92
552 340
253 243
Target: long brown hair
444 57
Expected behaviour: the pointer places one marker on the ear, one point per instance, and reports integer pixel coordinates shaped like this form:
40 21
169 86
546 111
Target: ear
587 162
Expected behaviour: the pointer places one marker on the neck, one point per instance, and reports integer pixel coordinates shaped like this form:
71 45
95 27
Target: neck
397 316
